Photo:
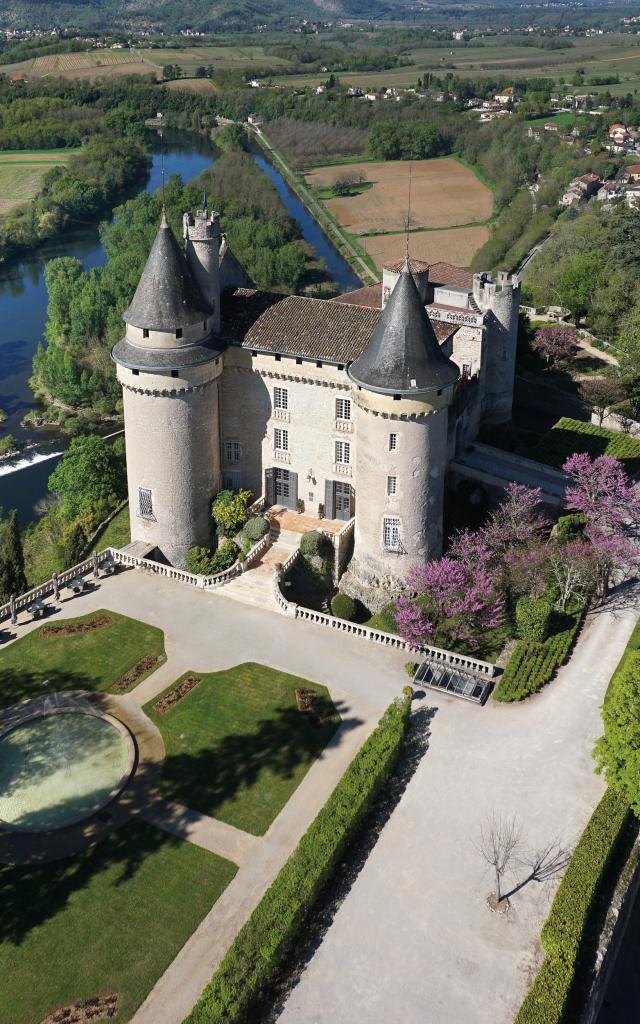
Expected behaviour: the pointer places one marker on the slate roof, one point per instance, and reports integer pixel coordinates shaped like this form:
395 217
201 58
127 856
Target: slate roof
167 296
403 356
151 360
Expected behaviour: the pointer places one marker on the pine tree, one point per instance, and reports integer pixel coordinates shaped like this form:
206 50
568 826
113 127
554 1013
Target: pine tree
75 546
12 574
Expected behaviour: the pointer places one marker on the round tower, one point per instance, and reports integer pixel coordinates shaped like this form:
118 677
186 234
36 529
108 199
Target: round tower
202 240
402 388
169 364
391 275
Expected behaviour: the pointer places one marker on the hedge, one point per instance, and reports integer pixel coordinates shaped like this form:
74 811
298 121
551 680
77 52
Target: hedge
568 436
532 665
276 923
533 618
343 607
565 927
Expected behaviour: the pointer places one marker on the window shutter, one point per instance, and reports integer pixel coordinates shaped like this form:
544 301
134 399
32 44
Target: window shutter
293 488
328 500
269 486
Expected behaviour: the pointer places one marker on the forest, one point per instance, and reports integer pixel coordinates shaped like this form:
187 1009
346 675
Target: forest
85 308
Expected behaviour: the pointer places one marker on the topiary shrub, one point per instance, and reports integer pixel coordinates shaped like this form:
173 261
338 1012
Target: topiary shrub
343 607
255 529
533 618
317 552
570 527
411 667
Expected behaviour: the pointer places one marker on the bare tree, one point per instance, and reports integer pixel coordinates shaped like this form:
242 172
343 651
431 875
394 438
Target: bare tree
499 841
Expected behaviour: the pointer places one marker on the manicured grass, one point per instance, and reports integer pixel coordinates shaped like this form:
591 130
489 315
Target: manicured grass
564 119
117 533
237 747
86 661
21 173
110 919
569 436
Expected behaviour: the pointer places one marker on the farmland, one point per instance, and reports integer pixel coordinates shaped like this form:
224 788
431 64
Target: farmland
449 208
453 245
21 173
91 64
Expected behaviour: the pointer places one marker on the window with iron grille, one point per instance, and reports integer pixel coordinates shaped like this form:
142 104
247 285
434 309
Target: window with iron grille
393 442
232 451
466 370
391 533
343 408
391 485
343 452
281 440
145 502
280 398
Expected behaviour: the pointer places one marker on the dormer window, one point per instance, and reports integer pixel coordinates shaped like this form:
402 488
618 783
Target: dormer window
178 332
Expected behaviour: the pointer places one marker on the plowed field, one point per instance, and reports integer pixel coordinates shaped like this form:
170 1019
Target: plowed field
457 246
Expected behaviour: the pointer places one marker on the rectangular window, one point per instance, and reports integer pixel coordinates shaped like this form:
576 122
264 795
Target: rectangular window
179 332
393 442
145 332
343 408
391 533
145 502
343 452
466 370
391 485
232 451
281 440
280 398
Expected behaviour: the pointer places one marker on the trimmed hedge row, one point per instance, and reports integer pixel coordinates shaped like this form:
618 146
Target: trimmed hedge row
532 665
275 924
565 926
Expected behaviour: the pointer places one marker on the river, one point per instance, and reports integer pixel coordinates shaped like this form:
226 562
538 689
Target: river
23 310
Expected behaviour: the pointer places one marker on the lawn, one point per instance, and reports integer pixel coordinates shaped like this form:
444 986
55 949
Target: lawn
21 173
87 661
237 747
569 436
563 120
108 920
117 534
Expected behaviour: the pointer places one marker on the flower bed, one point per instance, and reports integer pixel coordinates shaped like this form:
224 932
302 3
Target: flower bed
275 924
532 665
133 675
98 1008
71 628
171 698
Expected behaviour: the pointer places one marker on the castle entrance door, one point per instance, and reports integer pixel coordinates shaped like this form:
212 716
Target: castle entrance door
342 497
285 487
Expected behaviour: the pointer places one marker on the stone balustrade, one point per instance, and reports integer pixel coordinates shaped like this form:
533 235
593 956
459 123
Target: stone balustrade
47 588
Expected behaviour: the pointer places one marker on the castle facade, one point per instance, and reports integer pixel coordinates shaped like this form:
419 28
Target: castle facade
350 407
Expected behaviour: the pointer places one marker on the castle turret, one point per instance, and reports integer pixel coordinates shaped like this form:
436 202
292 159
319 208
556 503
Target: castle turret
402 387
169 364
391 273
501 300
202 239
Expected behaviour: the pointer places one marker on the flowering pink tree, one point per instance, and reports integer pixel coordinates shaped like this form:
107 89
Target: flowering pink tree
450 602
518 519
602 491
554 343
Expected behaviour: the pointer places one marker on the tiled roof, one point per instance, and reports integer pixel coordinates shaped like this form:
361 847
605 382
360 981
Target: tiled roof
446 273
370 296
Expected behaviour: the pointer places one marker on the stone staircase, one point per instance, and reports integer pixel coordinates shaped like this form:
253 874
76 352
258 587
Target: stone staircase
255 586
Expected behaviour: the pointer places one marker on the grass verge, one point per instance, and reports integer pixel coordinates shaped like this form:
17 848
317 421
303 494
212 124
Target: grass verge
117 533
276 923
110 919
84 661
237 747
569 436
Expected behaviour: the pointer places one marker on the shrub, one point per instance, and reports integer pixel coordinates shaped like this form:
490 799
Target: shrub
208 563
570 527
532 664
344 607
410 668
317 552
276 923
255 529
230 510
565 926
617 753
533 618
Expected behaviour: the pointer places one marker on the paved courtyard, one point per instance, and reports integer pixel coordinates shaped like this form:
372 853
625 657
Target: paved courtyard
413 941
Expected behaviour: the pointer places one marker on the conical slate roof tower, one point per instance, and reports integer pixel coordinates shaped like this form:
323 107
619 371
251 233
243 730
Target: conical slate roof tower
167 296
403 356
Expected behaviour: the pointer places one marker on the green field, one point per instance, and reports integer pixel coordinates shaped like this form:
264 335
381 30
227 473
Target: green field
569 436
85 661
228 58
237 747
564 119
117 533
109 920
21 173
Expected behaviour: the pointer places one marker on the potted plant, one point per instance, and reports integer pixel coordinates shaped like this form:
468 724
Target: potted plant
300 506
320 511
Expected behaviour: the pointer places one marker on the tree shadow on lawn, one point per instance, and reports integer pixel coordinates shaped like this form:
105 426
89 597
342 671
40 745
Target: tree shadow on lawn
32 894
281 744
22 684
322 915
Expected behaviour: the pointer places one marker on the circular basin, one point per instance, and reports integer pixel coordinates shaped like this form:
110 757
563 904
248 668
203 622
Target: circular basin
58 768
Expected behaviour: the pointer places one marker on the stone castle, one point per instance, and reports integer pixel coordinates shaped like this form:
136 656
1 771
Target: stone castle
349 407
